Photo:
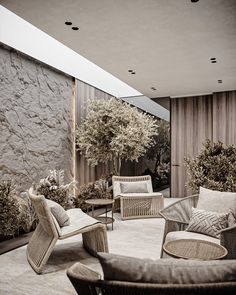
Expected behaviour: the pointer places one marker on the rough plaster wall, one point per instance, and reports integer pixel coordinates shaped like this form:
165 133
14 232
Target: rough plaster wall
35 119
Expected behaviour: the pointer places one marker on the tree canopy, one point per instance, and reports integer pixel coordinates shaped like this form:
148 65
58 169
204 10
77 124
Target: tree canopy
114 131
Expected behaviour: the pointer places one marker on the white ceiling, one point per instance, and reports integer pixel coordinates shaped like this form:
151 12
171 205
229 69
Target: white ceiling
168 43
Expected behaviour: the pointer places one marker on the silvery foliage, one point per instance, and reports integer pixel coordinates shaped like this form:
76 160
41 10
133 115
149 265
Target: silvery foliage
114 131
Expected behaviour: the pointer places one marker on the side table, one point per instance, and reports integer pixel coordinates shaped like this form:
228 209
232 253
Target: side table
195 249
102 202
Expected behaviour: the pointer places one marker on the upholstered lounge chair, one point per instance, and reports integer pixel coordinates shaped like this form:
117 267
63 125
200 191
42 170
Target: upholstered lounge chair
177 217
140 202
48 232
86 281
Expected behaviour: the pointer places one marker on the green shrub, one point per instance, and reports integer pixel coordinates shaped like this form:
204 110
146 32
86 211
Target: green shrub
213 168
94 190
53 188
10 219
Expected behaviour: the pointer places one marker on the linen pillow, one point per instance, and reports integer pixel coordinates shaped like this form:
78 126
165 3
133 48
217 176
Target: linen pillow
216 201
59 213
133 187
166 271
207 222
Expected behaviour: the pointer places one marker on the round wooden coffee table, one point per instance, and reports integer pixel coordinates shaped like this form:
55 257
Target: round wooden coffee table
102 202
195 249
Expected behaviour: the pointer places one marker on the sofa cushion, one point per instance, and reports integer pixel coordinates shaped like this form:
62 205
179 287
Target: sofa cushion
142 195
133 187
78 221
207 222
166 271
59 213
216 201
176 235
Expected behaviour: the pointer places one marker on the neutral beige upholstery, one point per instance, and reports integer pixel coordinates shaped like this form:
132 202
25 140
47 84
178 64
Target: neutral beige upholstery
177 217
216 201
221 276
176 235
136 204
48 232
166 271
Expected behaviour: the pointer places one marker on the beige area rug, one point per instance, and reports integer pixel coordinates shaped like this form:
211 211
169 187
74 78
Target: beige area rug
137 238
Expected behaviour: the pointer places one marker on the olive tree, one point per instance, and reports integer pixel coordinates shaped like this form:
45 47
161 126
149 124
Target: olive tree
114 131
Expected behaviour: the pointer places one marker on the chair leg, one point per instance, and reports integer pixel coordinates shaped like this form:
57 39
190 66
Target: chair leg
95 240
39 248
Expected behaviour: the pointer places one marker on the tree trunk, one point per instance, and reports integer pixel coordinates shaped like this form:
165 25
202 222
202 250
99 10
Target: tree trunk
158 162
116 165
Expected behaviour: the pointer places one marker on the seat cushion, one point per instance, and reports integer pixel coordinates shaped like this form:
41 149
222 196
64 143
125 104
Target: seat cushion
59 213
216 201
207 222
78 221
166 271
176 235
133 187
141 195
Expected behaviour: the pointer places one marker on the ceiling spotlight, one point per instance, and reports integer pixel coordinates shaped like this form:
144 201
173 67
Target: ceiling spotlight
213 61
219 81
194 1
153 88
68 23
133 73
130 71
212 58
75 28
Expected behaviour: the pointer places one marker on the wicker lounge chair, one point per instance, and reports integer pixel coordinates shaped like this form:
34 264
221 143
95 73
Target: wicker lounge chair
48 232
138 204
177 217
87 282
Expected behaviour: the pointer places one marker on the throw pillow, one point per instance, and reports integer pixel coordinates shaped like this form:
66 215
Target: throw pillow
216 201
207 222
133 187
59 213
166 271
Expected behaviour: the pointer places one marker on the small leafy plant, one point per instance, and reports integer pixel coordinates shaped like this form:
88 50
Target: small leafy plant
213 168
94 190
10 220
53 188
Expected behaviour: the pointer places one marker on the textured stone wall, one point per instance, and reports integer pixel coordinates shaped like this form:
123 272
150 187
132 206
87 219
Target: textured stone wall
35 119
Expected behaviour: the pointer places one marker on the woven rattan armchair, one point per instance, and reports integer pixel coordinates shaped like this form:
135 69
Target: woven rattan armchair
136 205
48 232
87 282
177 216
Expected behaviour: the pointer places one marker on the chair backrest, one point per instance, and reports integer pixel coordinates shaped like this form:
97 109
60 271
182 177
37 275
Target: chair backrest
43 213
86 282
116 180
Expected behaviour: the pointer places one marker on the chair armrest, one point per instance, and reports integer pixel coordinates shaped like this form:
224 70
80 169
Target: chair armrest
83 272
84 279
228 240
180 211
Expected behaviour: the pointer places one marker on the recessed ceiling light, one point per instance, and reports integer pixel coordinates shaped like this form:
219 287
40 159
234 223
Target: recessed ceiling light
213 61
219 81
75 28
212 58
68 23
133 73
194 1
153 88
130 71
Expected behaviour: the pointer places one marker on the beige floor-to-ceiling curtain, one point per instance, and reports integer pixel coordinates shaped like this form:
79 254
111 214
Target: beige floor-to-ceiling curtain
193 120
